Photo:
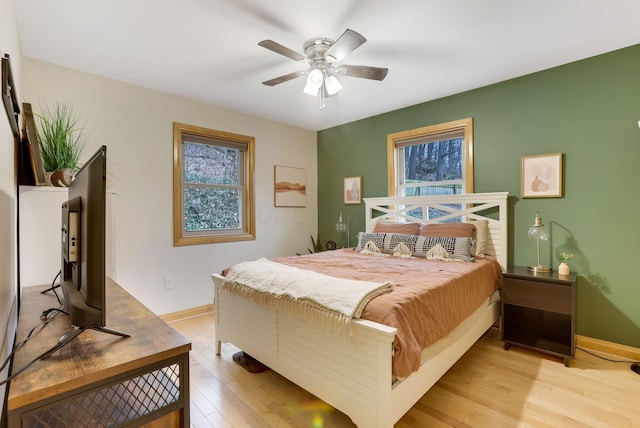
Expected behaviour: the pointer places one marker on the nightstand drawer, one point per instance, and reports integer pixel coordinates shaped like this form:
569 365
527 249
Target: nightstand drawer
537 295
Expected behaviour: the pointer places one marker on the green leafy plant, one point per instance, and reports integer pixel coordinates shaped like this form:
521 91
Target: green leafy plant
60 137
317 245
565 257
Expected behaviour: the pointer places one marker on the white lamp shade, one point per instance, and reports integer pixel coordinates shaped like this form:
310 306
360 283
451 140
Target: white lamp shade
314 82
332 84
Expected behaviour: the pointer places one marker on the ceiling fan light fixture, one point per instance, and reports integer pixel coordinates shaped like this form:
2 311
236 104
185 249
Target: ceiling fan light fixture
332 84
320 54
314 82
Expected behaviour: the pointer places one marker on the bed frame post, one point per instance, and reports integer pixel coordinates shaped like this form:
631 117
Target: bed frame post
217 283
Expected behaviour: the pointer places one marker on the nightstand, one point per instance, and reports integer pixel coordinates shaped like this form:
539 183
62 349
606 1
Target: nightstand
538 311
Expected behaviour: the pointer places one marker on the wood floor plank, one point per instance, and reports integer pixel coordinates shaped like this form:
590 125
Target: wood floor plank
488 387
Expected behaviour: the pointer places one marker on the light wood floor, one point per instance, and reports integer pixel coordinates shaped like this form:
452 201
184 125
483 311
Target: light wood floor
488 387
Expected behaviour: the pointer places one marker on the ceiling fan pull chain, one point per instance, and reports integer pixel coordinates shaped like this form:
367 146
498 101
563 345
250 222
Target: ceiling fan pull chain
321 98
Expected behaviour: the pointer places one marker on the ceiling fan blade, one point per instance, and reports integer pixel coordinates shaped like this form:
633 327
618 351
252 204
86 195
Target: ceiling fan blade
282 79
348 42
282 50
363 71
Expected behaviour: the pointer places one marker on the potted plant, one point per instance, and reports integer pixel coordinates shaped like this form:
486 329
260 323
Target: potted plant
61 142
563 268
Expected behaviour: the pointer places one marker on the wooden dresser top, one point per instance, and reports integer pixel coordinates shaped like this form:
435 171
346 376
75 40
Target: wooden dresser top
93 355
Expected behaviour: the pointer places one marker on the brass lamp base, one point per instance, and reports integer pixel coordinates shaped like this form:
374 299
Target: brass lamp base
539 269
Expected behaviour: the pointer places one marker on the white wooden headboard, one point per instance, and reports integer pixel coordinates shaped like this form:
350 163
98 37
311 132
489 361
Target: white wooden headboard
472 206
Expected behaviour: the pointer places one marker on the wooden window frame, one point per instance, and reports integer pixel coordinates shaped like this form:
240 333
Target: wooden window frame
394 139
247 231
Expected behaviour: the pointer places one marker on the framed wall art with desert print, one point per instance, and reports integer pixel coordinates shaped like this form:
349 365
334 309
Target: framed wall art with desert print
290 187
541 176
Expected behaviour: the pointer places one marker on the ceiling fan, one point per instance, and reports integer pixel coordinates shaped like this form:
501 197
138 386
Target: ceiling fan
322 55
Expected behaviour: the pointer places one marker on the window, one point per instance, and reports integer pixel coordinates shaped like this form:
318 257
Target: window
434 160
213 197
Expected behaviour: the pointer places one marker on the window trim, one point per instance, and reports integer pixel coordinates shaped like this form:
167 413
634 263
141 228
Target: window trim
248 213
398 138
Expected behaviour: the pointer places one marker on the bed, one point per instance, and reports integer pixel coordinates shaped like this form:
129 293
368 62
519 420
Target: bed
354 373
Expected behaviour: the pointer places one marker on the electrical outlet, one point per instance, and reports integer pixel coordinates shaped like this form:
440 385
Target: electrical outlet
168 283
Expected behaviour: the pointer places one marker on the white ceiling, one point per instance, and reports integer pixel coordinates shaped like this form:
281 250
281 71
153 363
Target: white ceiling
206 50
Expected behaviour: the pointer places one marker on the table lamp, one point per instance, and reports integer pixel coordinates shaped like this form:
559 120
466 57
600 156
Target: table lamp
538 233
343 226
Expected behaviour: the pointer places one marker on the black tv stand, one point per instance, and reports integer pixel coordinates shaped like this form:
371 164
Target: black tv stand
75 332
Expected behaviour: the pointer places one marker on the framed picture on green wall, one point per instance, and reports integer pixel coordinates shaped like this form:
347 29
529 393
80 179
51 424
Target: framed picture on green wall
541 176
353 190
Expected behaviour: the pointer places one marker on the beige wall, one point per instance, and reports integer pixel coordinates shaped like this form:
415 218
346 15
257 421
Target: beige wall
8 272
136 126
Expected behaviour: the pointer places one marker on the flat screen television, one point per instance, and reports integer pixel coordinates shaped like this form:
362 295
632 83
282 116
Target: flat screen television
82 276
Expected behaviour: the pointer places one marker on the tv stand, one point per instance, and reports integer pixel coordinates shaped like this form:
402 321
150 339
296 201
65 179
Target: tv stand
99 379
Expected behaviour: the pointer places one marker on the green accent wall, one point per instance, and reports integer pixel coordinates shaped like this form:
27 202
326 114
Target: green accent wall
588 110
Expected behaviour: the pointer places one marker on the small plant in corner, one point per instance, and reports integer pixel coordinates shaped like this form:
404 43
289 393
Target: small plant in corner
317 245
565 257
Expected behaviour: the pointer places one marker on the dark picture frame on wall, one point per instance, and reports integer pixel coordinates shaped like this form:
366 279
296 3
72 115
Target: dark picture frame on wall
9 96
31 156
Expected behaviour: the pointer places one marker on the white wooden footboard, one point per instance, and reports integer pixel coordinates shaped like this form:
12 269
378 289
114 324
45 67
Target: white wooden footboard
352 374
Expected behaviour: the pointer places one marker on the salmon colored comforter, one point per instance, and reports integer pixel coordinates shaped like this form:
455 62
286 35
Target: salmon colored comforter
430 298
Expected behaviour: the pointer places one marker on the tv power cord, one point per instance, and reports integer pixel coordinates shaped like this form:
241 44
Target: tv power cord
45 320
635 365
54 286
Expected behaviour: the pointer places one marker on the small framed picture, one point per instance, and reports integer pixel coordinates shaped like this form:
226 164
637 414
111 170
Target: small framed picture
290 187
32 147
9 96
353 190
541 176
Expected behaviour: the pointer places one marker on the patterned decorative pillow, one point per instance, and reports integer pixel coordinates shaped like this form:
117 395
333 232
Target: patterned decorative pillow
458 248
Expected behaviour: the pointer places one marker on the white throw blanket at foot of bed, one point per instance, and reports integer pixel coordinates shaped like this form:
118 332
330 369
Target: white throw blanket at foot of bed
325 301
